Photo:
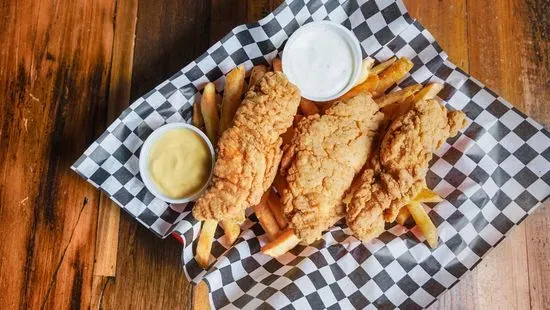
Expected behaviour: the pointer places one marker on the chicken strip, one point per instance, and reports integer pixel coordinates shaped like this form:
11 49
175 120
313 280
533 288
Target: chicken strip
321 161
397 173
249 152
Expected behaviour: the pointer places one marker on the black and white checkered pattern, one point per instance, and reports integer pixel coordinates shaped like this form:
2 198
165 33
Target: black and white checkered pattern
492 176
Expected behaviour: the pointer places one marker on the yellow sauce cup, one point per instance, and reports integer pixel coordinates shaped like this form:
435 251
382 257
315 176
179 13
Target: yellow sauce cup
145 160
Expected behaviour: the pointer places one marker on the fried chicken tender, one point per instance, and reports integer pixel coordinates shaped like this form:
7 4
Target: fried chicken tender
321 161
397 173
249 152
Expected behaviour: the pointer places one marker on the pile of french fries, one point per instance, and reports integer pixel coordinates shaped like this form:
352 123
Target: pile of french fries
375 79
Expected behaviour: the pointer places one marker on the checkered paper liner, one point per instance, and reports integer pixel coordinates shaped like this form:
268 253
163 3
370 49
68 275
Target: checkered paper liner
492 175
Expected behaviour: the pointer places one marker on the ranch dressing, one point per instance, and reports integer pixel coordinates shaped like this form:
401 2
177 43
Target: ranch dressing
321 59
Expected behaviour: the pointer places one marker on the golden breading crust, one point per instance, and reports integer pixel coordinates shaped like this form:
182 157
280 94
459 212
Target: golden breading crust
397 174
321 161
249 151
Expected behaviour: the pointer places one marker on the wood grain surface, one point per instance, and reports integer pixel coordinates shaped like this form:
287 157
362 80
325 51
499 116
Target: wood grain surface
69 67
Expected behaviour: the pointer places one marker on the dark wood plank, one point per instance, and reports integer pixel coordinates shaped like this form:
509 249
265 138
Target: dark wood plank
54 68
149 273
258 9
169 34
224 16
106 246
119 96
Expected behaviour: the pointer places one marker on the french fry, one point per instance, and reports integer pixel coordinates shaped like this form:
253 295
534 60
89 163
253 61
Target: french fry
219 103
287 136
398 96
209 111
234 84
403 216
280 183
256 74
297 119
427 195
393 73
274 203
308 107
277 65
197 120
370 85
324 106
231 230
266 219
286 241
366 66
382 66
204 245
424 223
428 92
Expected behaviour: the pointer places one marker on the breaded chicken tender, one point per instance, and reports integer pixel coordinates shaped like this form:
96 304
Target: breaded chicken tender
397 173
321 161
249 152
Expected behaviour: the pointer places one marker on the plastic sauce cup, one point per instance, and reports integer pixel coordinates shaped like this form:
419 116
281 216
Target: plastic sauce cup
144 161
323 59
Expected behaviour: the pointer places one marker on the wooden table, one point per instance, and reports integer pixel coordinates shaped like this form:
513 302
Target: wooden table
67 68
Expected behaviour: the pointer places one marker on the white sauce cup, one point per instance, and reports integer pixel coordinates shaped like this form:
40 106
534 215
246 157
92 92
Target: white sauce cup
323 59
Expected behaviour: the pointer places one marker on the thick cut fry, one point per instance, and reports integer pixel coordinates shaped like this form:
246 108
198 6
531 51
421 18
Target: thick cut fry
366 66
205 242
198 121
287 136
231 230
403 216
428 92
209 111
370 85
323 106
277 65
392 74
297 119
308 107
219 102
256 74
266 218
286 241
234 85
424 223
274 203
427 195
280 183
382 66
398 96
